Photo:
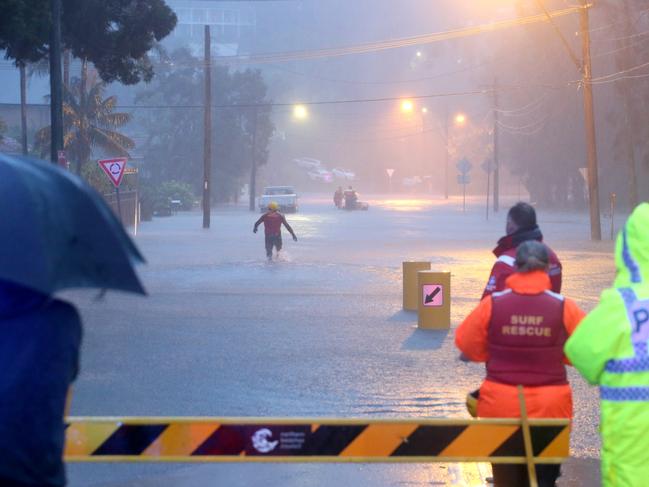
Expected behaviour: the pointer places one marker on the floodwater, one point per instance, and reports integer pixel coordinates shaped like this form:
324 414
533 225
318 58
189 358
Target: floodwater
320 332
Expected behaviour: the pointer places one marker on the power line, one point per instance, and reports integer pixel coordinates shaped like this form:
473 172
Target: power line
524 127
279 57
287 56
521 112
636 76
623 48
391 82
614 75
613 24
313 103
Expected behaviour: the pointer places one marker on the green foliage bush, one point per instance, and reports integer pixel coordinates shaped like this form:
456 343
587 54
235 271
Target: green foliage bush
157 198
177 190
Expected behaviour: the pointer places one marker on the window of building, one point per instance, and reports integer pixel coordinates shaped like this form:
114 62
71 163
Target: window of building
230 17
230 33
215 16
184 15
199 16
183 30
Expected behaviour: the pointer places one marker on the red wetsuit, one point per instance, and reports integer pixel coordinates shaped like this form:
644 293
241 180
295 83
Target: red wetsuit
273 221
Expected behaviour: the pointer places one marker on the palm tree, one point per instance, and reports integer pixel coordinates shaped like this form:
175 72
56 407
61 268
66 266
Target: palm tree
89 121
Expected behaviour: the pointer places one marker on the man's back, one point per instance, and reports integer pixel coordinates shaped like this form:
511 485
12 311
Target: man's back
39 355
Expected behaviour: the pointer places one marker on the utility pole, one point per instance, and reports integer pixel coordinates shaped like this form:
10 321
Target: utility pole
23 107
66 68
253 170
488 185
56 89
207 126
626 95
496 150
633 182
586 69
589 121
447 150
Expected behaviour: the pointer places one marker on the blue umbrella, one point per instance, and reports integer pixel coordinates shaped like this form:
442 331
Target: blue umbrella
57 233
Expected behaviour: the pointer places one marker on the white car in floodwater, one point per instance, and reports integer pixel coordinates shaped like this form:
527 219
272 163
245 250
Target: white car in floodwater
284 196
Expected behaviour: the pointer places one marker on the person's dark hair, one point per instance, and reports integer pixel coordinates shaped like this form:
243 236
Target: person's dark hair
523 215
532 256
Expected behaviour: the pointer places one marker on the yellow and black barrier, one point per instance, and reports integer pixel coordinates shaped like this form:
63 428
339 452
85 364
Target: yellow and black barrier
161 439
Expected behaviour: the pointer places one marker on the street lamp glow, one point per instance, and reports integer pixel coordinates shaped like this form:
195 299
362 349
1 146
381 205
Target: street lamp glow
424 110
460 119
300 112
419 54
407 106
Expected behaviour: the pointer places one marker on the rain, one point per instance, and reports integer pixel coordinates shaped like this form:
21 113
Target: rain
378 133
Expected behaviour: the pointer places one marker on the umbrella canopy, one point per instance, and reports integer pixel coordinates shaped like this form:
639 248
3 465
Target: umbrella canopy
57 233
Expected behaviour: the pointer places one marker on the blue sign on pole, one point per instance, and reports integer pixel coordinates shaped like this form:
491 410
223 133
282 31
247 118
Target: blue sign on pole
464 166
463 179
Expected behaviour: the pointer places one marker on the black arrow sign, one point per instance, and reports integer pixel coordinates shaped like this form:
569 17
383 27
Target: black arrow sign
431 297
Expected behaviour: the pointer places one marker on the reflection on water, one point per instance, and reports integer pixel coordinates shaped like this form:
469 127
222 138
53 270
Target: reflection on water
407 204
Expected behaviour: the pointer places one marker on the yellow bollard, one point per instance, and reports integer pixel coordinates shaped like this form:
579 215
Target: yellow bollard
410 284
434 299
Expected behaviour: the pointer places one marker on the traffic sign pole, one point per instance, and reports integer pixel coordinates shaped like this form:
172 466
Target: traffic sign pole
390 174
114 169
464 198
464 166
119 203
486 167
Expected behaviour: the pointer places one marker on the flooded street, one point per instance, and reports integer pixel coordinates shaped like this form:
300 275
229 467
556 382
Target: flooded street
320 332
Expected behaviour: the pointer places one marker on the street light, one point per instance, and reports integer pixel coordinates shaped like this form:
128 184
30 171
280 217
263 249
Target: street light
300 112
407 106
460 119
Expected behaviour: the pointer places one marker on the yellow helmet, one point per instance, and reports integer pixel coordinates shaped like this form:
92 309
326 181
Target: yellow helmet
273 206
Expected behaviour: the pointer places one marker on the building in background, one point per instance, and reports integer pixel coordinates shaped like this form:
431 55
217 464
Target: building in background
232 26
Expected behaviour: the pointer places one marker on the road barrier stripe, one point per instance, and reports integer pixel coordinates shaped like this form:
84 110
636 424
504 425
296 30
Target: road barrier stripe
312 440
379 441
181 439
478 441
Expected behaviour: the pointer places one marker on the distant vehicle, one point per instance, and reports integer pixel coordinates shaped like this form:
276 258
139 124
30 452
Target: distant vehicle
343 174
411 182
284 196
308 163
321 175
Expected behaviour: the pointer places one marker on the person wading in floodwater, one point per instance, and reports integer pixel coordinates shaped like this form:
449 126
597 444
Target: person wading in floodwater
273 221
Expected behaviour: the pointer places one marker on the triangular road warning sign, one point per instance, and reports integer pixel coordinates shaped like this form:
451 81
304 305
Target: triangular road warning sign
114 169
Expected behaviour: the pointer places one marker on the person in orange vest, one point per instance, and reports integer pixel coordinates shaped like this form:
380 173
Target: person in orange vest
520 334
273 221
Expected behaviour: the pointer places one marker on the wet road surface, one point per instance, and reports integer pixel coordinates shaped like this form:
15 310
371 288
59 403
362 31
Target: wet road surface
318 333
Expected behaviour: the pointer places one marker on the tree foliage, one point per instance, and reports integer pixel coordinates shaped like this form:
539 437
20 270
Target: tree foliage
115 35
90 122
174 148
